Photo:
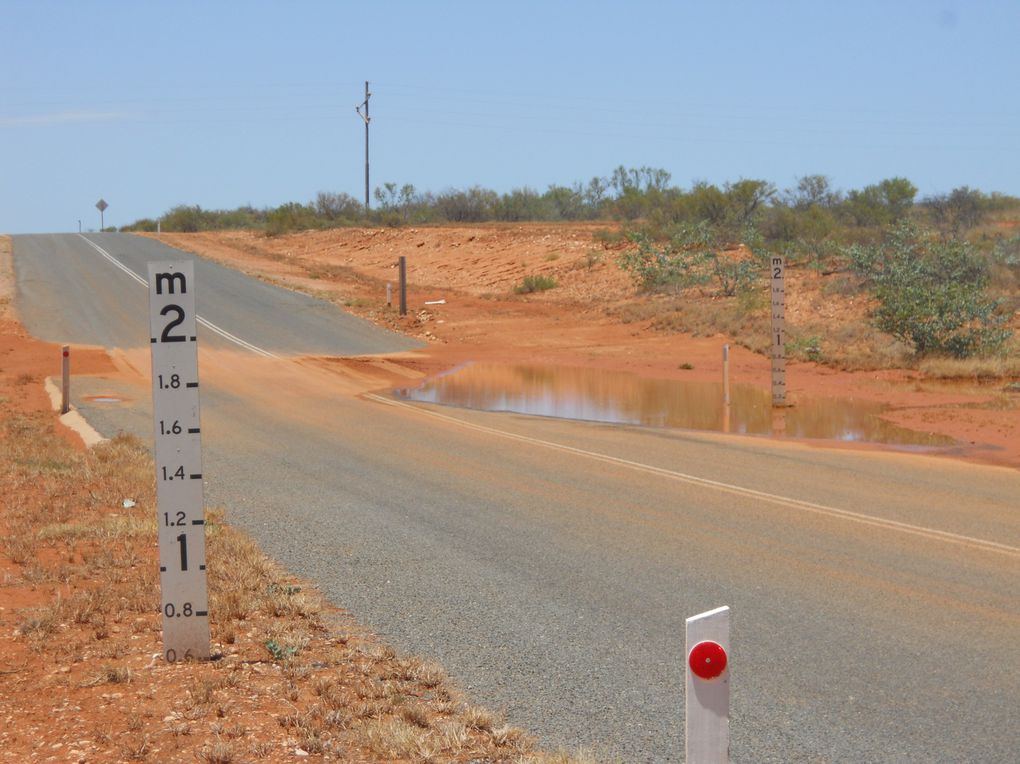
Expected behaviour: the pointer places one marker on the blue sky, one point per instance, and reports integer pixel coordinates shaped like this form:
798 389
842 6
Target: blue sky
152 104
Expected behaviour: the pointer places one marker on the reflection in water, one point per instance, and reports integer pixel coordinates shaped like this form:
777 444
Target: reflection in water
607 396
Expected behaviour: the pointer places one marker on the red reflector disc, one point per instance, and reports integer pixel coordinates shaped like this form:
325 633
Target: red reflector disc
707 660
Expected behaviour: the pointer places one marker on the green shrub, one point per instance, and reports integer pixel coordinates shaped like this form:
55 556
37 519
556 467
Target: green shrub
185 219
291 217
931 293
656 268
695 256
522 204
882 204
1007 252
535 283
807 348
145 224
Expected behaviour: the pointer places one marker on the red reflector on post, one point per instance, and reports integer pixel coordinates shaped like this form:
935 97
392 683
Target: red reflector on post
707 660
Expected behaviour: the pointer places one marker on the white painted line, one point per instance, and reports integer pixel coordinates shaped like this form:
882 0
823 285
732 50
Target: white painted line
204 322
790 503
117 262
236 340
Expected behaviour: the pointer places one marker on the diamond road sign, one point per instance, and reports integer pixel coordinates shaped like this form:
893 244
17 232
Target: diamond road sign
101 205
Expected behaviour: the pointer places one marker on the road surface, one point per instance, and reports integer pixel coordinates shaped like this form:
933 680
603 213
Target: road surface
550 564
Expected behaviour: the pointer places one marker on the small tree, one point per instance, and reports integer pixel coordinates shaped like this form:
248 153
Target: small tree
521 204
291 217
958 210
471 206
881 204
332 207
746 198
931 293
812 191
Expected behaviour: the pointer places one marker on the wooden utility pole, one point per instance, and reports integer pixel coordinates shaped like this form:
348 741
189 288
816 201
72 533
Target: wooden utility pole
367 119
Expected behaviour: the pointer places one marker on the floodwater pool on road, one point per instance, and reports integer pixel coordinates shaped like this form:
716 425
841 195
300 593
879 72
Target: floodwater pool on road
620 397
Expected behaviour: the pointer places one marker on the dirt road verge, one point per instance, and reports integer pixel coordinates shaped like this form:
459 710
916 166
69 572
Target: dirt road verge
81 670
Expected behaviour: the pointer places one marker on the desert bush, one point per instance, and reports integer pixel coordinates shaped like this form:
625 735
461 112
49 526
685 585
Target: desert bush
145 224
813 191
931 293
472 206
291 217
189 219
882 204
535 283
807 226
565 203
522 204
338 207
961 209
657 268
1007 252
695 256
185 219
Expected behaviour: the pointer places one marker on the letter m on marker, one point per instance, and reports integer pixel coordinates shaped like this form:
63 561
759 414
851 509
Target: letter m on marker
170 279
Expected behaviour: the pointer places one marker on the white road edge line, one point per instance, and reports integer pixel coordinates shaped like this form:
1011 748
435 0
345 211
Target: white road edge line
207 324
804 506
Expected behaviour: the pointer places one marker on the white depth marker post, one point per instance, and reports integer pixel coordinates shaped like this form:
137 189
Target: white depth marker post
778 331
707 699
180 510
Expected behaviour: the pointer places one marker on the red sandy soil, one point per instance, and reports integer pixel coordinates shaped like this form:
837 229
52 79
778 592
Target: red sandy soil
578 324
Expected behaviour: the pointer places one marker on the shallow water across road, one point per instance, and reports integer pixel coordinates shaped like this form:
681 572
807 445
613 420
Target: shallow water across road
611 396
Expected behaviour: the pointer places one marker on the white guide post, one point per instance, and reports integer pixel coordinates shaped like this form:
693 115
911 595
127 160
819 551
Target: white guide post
778 331
180 510
65 379
707 706
726 374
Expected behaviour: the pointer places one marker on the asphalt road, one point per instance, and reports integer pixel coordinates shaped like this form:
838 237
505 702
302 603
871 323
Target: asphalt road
550 564
72 291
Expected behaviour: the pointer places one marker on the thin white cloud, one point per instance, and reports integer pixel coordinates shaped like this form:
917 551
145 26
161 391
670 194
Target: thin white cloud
63 118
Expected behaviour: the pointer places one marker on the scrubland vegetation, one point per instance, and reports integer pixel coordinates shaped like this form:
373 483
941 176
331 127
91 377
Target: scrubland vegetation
940 273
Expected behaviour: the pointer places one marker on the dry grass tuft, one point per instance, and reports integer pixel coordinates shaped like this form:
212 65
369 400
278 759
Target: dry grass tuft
479 719
109 675
976 369
513 738
392 738
219 752
416 715
136 748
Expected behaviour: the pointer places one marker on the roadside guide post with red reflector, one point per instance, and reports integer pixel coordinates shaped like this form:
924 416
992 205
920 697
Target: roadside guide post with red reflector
65 379
707 698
